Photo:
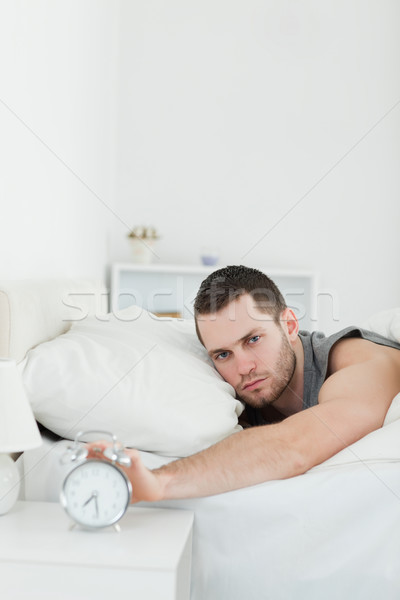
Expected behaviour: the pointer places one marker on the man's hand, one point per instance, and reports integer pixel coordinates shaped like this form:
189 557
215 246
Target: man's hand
146 485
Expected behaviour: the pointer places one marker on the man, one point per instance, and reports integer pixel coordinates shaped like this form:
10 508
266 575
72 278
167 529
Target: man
323 393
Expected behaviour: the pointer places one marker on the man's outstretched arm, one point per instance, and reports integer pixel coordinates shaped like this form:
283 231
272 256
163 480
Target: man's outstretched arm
353 402
242 459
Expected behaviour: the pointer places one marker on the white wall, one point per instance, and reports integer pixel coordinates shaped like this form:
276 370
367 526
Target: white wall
265 127
261 127
57 143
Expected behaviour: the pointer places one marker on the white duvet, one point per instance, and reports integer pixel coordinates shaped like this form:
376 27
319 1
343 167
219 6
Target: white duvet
331 533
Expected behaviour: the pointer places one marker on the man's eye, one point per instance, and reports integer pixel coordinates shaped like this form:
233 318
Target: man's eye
221 355
254 339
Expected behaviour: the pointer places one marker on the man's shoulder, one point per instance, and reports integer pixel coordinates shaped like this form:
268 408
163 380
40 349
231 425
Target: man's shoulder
350 345
347 351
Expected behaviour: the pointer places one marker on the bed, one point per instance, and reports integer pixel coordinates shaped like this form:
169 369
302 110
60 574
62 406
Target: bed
331 533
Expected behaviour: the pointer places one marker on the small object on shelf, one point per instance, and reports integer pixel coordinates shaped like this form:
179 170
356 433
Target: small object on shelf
209 256
142 240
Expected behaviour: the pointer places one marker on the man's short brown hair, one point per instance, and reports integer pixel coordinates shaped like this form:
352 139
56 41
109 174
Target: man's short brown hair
229 283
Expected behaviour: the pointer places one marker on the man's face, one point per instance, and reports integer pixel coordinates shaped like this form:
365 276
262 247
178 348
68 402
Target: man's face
249 350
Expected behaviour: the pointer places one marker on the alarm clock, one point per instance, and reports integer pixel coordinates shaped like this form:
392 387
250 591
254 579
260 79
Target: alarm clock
96 493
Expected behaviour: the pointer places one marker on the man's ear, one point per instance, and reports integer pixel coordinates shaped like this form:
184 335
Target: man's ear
290 323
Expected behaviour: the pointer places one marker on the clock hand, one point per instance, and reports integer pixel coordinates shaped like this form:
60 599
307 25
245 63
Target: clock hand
94 495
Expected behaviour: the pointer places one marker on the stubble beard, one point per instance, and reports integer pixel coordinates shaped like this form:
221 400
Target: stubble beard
279 377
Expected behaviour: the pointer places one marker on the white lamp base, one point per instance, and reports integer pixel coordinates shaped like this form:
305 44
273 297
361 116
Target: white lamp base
9 483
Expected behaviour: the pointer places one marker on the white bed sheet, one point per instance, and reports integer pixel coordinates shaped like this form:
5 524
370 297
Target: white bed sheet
330 533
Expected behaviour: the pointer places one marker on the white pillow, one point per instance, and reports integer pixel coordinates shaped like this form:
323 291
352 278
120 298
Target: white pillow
386 323
146 379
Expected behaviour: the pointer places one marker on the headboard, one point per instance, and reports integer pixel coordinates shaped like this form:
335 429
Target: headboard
34 311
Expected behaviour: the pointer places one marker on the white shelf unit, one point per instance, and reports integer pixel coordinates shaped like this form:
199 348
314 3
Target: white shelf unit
165 288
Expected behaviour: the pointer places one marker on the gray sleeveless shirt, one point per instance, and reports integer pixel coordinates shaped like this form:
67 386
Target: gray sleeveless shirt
316 348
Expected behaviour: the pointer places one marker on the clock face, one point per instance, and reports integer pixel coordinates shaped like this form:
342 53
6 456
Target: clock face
96 493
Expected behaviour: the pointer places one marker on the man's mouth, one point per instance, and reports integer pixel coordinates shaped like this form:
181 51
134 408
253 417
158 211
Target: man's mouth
251 385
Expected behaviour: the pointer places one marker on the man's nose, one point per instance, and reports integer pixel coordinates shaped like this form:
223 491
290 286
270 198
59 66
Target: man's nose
245 363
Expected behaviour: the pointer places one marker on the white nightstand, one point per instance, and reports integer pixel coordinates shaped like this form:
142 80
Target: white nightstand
41 558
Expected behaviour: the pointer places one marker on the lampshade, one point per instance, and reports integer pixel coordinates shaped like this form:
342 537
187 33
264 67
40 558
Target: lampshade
18 428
